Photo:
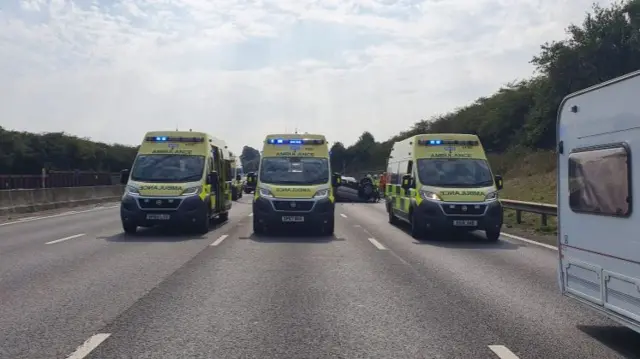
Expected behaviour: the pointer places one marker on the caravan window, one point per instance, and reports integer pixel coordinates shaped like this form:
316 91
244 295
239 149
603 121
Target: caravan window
599 181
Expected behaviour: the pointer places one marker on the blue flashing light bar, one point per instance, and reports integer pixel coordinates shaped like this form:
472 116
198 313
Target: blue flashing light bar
174 139
304 141
448 142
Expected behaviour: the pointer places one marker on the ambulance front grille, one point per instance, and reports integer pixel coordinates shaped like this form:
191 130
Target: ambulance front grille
159 203
464 209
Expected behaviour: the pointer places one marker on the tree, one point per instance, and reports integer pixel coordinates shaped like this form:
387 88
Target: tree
250 158
28 153
522 115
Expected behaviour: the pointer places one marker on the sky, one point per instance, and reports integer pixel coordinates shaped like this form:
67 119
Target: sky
239 69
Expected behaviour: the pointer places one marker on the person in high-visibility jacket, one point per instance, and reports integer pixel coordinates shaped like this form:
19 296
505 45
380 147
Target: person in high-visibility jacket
383 182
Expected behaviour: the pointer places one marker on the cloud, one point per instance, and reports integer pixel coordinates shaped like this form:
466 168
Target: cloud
239 69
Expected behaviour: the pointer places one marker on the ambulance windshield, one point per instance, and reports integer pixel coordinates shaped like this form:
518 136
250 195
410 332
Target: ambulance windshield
294 170
454 172
167 168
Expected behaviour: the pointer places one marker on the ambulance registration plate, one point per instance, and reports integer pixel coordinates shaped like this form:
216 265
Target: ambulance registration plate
292 219
161 217
465 223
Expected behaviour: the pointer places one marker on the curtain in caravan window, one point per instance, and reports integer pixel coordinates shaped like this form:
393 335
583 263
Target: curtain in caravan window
598 182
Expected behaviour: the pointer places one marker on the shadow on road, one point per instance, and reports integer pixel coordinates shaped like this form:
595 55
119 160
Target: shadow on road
162 234
464 240
292 236
620 339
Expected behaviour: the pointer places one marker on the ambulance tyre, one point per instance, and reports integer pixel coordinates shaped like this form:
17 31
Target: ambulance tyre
202 224
493 235
418 230
234 193
129 228
392 217
329 228
223 216
257 227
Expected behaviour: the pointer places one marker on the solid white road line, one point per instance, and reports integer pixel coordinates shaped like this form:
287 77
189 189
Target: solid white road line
529 241
25 220
343 215
503 352
219 240
65 238
377 244
88 346
251 214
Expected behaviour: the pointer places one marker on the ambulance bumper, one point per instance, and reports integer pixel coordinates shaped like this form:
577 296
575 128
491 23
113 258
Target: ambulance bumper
282 213
153 211
446 216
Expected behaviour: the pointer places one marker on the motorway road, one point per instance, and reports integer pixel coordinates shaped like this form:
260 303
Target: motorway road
371 291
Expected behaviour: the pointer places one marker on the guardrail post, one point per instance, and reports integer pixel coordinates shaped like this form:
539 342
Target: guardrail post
518 216
544 219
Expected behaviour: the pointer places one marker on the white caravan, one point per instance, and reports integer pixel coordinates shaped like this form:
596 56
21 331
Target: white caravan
598 134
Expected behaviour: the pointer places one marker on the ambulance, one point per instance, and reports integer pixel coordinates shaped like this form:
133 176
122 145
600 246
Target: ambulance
598 245
177 178
237 174
441 183
294 184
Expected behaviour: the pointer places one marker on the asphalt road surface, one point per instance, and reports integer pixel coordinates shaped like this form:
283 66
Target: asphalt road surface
72 286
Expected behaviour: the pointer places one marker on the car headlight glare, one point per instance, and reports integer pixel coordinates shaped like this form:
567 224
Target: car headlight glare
430 196
191 191
491 196
265 193
131 190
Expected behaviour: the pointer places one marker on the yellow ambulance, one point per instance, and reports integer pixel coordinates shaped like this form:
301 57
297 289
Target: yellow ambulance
295 184
443 183
178 178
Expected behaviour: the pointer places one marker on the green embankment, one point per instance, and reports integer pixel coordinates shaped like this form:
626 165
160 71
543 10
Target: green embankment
528 177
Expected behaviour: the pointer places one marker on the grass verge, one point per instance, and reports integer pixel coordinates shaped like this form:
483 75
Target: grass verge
529 177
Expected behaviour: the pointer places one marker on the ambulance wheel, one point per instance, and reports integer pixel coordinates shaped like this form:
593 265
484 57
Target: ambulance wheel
392 217
257 227
493 235
202 224
418 229
223 216
234 194
129 228
329 228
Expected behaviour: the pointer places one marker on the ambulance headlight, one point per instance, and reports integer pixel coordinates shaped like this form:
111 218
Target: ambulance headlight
131 190
430 196
323 193
491 196
191 191
265 193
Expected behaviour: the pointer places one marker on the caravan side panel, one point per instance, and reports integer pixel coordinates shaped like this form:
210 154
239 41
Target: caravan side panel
599 245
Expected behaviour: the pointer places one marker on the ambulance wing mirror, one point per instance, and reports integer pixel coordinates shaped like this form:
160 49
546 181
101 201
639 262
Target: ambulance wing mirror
336 179
407 182
124 176
499 183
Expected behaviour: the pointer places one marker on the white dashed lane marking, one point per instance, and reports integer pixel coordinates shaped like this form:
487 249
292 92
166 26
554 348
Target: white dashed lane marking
66 238
377 244
89 345
219 240
503 352
343 215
